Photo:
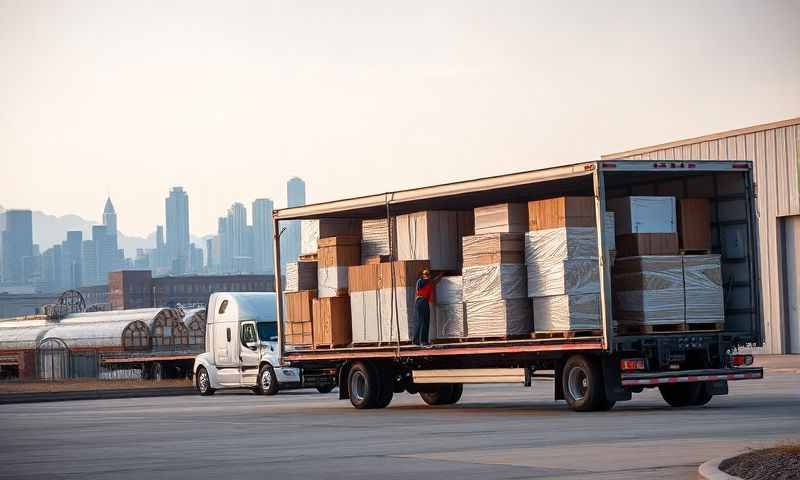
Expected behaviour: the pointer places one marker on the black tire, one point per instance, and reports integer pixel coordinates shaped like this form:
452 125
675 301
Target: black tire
444 394
583 385
326 388
704 396
203 382
386 386
455 395
682 394
267 381
363 385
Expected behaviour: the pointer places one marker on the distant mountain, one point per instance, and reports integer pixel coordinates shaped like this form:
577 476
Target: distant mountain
49 230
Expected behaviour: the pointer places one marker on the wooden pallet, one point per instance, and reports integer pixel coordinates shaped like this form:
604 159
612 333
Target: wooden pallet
311 257
328 346
568 334
631 329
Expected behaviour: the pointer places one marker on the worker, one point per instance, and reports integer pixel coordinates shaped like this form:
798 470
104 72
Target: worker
423 306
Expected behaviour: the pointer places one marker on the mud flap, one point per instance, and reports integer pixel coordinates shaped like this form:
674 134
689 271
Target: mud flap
612 377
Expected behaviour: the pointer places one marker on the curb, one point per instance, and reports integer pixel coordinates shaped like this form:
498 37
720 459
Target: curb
710 470
94 395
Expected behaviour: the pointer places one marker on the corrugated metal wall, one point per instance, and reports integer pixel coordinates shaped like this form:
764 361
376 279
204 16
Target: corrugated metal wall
775 150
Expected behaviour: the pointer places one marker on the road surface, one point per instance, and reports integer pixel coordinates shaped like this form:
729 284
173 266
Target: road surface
498 431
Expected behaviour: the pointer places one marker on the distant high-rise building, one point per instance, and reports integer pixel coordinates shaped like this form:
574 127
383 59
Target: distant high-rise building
237 230
105 253
17 245
177 213
88 263
224 258
262 235
110 221
195 259
290 240
71 254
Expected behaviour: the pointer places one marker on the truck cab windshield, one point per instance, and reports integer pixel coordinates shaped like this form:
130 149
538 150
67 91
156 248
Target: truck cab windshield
267 330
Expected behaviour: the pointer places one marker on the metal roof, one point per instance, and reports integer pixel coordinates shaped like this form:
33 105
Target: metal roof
22 337
92 335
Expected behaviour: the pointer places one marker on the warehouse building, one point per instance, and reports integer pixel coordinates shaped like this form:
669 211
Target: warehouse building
774 149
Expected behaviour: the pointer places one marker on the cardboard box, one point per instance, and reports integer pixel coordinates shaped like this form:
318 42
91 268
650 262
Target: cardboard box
566 312
561 212
301 275
702 278
432 235
332 321
375 235
312 230
649 290
298 305
643 244
493 248
494 282
694 223
501 218
499 318
341 251
563 277
643 214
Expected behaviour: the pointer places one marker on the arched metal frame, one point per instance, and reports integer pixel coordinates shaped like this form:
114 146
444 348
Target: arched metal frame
52 359
168 330
72 301
136 336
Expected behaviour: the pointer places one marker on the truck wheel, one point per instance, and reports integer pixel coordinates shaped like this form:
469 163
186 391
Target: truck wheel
444 394
386 385
455 396
704 396
267 381
363 385
583 385
681 394
326 388
203 382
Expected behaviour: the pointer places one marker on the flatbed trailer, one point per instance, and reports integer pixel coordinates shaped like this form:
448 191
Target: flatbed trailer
591 372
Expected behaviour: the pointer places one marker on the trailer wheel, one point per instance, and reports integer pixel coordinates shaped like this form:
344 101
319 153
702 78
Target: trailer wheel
203 382
385 383
363 386
704 396
326 388
681 394
583 385
444 394
267 380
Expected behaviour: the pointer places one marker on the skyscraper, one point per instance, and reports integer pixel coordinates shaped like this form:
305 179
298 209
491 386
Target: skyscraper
88 263
290 240
105 253
17 245
262 235
71 252
237 230
110 221
177 212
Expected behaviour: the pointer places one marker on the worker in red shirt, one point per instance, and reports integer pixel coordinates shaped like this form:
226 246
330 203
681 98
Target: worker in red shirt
423 306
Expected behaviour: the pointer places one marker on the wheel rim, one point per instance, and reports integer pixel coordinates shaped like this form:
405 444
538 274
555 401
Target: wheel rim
266 379
358 386
203 382
577 383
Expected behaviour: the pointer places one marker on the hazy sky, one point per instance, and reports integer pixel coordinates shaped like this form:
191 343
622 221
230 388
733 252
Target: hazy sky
231 99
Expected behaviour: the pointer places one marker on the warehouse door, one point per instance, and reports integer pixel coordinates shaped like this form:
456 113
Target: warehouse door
791 269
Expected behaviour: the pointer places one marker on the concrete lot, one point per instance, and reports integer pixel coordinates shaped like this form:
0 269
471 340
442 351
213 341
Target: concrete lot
502 431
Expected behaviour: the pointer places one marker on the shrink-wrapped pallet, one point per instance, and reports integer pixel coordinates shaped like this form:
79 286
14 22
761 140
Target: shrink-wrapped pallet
398 316
649 290
560 244
301 276
499 318
704 298
493 248
375 236
502 218
449 290
494 282
434 236
566 312
449 321
312 230
643 214
563 277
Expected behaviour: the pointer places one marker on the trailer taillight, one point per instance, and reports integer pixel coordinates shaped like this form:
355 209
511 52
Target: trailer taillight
740 360
627 364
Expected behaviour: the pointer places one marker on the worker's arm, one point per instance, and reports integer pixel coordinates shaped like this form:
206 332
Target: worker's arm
438 277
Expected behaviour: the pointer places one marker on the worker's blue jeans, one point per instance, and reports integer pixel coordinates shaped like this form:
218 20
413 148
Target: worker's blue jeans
423 309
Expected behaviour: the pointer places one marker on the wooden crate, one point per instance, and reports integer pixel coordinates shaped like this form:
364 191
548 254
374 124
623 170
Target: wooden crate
332 325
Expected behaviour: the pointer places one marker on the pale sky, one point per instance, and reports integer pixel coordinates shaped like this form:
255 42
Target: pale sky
230 99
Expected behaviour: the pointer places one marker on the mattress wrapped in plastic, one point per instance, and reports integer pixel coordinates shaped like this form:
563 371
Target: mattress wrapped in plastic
449 290
649 290
448 321
562 243
375 238
499 318
331 281
301 276
563 277
702 276
566 312
503 281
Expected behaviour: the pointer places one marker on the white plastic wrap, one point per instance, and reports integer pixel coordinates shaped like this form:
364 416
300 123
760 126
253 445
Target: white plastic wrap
449 290
401 315
650 307
499 318
643 214
309 234
560 244
301 276
331 280
493 282
610 231
448 321
566 312
375 238
563 277
702 276
365 316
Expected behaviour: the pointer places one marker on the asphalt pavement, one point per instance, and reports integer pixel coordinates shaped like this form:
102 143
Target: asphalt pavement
495 432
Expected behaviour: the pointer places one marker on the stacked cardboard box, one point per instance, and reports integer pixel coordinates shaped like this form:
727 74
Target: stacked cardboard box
694 224
380 312
375 235
434 236
501 218
335 255
561 256
649 290
299 318
449 318
702 278
312 230
301 275
494 288
646 225
331 320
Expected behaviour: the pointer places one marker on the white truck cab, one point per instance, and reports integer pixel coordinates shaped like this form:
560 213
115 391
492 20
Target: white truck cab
242 346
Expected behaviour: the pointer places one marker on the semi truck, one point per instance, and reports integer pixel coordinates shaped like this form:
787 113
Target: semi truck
592 372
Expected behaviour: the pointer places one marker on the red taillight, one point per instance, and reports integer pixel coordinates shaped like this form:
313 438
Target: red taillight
739 360
741 165
632 364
